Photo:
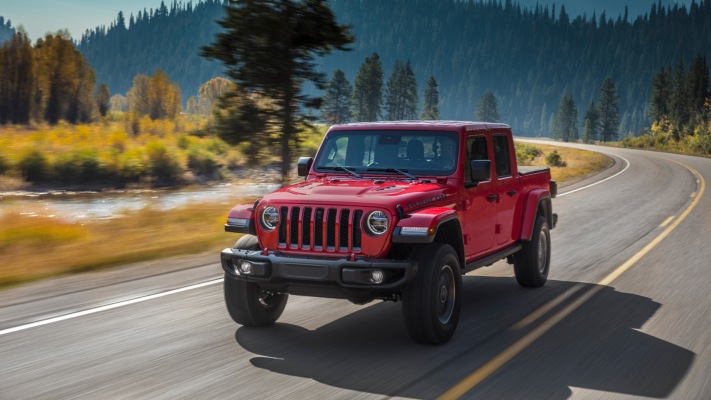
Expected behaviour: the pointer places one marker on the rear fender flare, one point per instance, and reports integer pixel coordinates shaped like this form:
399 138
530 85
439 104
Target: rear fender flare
538 202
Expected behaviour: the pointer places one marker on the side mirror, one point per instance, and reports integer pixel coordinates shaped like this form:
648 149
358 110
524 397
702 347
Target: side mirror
481 172
304 165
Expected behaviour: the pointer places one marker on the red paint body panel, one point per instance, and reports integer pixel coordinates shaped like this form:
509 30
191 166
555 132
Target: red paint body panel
344 201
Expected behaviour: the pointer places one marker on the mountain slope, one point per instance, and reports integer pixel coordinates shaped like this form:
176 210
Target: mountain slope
528 57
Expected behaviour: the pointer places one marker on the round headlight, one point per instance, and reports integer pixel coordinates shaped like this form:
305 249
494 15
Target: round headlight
270 218
377 223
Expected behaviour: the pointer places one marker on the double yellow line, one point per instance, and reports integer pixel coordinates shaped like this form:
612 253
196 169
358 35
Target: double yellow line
519 345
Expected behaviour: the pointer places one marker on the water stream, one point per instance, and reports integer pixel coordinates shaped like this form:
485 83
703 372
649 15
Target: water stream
81 207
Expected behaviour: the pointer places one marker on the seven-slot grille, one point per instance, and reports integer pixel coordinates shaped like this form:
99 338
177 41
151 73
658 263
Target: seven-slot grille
320 228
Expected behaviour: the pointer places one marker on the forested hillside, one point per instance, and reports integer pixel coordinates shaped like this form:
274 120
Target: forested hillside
529 58
6 30
167 38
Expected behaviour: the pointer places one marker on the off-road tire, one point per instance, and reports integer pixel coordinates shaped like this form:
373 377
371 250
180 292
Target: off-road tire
246 303
532 262
431 303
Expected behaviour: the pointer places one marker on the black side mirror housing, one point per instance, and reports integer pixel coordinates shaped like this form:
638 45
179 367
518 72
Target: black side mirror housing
481 172
304 165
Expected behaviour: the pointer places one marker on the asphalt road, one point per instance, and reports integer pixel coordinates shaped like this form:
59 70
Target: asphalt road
626 313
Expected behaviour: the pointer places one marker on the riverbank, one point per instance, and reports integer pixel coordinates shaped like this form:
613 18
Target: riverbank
36 242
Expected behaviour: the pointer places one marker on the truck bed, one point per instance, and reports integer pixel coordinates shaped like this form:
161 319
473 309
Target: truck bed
531 170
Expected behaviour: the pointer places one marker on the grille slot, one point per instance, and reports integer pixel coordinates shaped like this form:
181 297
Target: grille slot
318 229
331 229
357 217
343 230
306 229
294 227
283 213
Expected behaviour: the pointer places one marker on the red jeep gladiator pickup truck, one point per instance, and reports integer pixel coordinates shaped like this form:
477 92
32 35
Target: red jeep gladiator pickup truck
393 211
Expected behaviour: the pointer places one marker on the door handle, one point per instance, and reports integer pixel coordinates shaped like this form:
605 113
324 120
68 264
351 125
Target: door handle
511 193
492 197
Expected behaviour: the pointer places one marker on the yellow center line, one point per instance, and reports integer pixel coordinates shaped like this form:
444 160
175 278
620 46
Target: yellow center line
666 222
693 194
519 345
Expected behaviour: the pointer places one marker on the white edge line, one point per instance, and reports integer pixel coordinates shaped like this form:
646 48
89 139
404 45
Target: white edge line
599 182
107 307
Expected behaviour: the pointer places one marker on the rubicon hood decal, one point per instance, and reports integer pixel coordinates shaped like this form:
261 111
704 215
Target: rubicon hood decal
421 202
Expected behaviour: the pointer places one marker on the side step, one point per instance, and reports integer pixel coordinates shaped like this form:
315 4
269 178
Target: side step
488 260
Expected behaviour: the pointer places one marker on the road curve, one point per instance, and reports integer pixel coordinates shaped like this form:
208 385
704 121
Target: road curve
643 332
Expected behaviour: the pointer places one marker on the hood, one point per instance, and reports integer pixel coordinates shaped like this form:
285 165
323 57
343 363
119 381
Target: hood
364 192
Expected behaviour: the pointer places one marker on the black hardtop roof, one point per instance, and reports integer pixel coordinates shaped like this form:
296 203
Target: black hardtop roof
421 125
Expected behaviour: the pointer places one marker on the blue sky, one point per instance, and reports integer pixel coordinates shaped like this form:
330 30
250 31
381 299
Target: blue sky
41 16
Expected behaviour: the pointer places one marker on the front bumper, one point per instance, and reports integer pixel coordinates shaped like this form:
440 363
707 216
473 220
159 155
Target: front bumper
320 276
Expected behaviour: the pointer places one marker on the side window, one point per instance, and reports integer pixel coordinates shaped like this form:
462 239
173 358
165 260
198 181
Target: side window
476 150
502 156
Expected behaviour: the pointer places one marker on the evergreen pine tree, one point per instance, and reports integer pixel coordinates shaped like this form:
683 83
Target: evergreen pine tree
430 99
486 109
271 48
661 96
368 90
680 101
411 99
609 111
565 127
336 107
401 93
591 122
395 93
103 97
698 87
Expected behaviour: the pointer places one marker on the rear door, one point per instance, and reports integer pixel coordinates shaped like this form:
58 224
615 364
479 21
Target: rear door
506 190
479 205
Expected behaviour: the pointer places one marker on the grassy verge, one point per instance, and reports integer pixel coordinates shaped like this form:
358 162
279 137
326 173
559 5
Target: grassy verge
37 247
579 164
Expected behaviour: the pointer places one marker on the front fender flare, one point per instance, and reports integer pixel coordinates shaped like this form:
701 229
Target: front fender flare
241 219
422 226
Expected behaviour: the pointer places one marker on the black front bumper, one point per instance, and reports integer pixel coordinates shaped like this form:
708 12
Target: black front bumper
320 276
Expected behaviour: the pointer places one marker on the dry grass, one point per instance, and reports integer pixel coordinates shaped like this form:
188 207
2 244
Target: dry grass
580 163
35 247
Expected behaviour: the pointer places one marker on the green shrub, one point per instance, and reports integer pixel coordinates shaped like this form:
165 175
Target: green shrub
132 165
162 165
78 167
183 142
4 164
202 162
34 167
217 146
526 153
555 160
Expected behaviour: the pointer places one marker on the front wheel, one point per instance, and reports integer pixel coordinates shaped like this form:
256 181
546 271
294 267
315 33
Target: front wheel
532 262
431 304
246 303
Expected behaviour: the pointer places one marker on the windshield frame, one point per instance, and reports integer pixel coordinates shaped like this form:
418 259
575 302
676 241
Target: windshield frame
357 150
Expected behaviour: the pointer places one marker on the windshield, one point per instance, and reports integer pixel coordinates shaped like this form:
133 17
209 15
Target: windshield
389 152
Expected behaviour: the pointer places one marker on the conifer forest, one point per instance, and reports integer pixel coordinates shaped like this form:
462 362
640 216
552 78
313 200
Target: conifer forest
529 57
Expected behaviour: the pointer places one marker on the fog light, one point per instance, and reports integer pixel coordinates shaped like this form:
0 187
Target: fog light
377 276
245 268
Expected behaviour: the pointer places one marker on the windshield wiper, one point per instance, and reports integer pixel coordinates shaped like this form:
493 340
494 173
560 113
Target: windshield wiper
350 170
399 171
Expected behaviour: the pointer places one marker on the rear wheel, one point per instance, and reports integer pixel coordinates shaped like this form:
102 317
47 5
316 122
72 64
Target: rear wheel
532 262
246 303
431 304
